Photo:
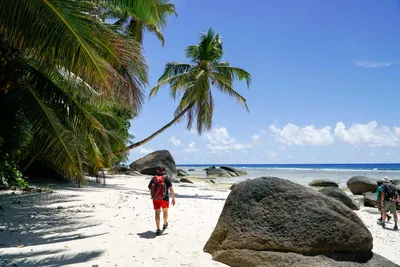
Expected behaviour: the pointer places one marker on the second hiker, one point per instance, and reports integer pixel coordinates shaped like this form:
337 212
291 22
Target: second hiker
389 199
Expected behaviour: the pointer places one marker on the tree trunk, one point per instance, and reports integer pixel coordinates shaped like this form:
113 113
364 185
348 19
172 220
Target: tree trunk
144 141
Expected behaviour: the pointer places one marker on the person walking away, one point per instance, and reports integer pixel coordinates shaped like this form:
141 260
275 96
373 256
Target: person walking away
378 201
389 199
160 186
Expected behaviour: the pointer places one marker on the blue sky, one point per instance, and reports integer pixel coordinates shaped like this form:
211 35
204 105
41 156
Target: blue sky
326 82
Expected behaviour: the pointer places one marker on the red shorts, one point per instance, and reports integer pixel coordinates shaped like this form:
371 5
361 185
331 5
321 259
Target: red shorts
158 204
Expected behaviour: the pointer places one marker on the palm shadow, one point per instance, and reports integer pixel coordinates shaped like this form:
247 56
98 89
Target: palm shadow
34 219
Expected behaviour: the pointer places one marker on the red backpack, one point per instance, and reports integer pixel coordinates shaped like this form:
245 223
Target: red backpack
158 188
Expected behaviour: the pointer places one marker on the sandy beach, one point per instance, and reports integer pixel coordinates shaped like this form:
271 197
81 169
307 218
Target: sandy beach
114 226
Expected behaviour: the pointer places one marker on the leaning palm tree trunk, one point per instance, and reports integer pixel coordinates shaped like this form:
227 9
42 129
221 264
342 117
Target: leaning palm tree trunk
162 129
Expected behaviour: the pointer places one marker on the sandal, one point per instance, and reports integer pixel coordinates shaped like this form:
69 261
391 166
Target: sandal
165 226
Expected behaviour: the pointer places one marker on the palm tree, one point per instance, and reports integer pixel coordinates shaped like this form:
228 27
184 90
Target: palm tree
146 15
194 82
62 69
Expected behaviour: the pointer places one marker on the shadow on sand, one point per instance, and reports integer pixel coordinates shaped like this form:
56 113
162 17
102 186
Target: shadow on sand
34 219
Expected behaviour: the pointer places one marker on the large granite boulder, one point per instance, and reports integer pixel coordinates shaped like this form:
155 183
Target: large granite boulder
150 163
253 258
362 184
217 173
238 172
323 183
268 218
369 199
341 196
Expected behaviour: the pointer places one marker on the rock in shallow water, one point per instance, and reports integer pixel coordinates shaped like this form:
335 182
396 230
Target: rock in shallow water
265 218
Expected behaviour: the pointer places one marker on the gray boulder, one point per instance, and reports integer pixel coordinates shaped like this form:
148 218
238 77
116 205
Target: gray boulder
369 199
323 183
252 258
185 180
362 184
182 173
191 170
150 163
259 219
341 196
217 173
233 170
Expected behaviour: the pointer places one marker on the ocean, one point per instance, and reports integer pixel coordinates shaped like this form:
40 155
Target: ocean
304 173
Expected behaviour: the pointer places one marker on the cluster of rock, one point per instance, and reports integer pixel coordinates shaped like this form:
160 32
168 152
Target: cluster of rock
148 165
223 172
258 226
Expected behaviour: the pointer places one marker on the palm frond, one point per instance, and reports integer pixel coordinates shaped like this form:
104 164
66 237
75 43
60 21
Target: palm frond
233 73
224 83
174 72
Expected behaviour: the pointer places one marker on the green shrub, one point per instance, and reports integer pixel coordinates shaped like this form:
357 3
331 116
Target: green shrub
9 174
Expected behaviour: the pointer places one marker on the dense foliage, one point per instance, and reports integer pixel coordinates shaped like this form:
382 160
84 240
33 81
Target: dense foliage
70 82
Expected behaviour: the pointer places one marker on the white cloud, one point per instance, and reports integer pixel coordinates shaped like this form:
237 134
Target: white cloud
175 141
220 139
368 134
219 135
143 150
255 137
309 135
191 148
372 64
229 147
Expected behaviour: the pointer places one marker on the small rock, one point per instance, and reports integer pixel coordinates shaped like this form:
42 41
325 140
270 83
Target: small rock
59 207
185 180
95 265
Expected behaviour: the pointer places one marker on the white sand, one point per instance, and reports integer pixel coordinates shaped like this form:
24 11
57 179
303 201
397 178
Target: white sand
114 226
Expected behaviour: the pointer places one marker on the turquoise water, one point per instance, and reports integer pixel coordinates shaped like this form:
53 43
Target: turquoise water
304 173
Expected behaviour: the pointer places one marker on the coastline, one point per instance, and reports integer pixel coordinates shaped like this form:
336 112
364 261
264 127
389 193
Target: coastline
114 226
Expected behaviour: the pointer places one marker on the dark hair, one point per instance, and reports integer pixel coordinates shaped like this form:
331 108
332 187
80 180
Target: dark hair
379 183
161 169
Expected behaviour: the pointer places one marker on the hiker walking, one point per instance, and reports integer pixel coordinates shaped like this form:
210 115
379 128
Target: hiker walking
389 199
159 186
379 201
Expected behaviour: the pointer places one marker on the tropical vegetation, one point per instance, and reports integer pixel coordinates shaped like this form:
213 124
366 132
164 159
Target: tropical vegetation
72 74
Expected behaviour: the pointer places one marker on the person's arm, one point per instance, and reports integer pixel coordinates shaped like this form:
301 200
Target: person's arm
383 198
171 189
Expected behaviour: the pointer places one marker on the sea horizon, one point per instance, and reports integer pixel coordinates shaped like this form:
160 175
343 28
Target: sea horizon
321 166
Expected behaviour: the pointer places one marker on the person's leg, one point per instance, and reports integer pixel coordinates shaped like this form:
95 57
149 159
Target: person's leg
394 212
384 210
165 215
158 212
